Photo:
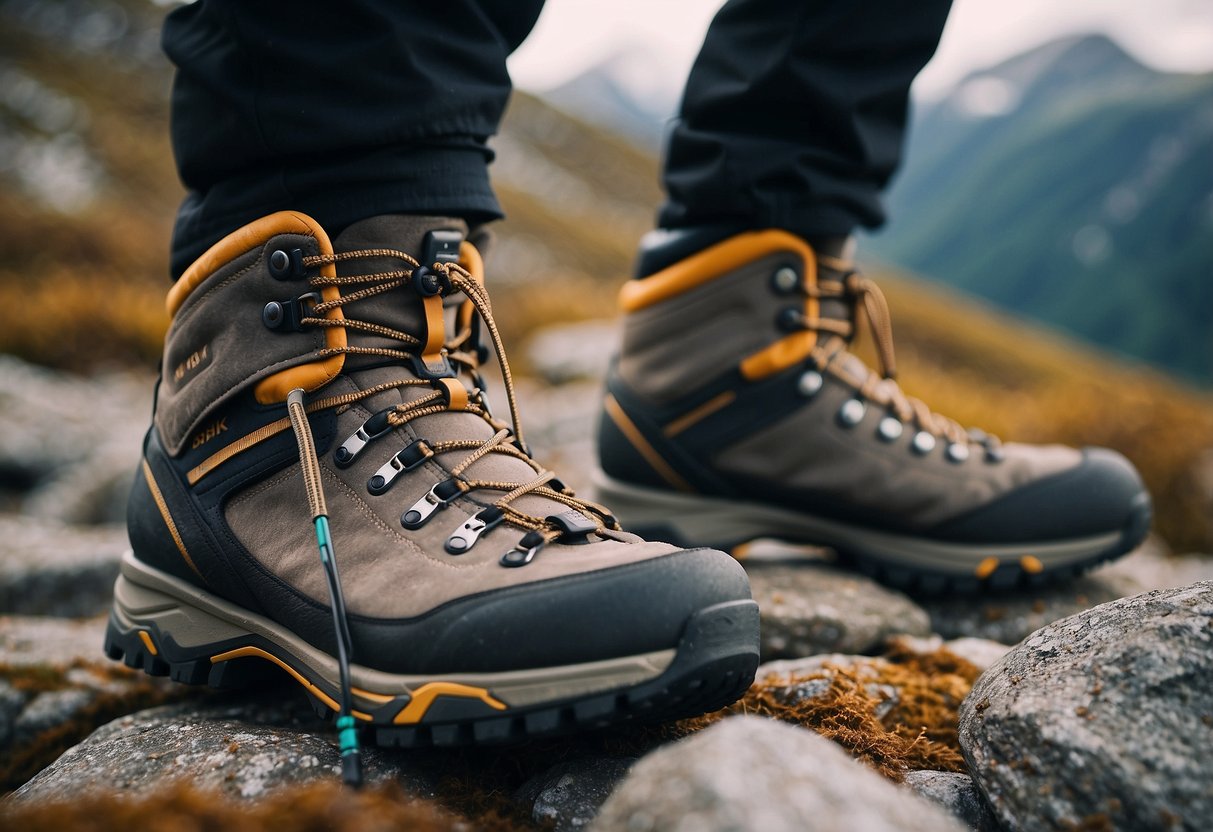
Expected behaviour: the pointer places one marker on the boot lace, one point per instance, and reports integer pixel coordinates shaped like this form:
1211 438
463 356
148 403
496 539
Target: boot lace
858 291
447 394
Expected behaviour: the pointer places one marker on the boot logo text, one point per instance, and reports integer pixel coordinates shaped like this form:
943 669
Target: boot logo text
210 432
195 361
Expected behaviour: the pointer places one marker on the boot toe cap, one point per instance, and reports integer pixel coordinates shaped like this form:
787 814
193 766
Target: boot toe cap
1103 493
622 611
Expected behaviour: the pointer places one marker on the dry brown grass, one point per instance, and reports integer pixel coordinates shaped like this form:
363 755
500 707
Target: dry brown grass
318 807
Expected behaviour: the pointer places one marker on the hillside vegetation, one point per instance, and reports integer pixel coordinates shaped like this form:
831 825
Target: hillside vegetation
1074 186
83 260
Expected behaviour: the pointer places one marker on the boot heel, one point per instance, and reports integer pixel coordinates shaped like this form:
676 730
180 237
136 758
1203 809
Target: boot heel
143 632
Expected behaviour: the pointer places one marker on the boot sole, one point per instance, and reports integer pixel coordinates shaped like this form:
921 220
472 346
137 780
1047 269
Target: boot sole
168 627
902 561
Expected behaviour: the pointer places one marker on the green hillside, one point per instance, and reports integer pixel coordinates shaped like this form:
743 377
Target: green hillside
1087 206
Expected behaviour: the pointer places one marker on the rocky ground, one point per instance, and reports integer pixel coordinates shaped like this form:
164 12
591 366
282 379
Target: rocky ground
1087 705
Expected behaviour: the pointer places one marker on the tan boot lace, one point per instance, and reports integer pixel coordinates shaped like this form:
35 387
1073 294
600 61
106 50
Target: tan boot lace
449 395
857 290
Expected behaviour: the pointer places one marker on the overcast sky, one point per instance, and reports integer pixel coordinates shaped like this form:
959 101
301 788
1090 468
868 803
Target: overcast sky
574 34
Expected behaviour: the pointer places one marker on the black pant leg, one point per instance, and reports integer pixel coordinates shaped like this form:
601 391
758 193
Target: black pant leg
342 110
794 114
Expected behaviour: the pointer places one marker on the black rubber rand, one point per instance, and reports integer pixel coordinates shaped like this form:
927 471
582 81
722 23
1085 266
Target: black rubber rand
714 664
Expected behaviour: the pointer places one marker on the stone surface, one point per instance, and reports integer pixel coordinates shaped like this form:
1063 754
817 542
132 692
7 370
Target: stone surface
568 795
70 444
1010 617
1102 720
39 640
979 652
48 568
958 794
56 686
240 746
748 773
810 608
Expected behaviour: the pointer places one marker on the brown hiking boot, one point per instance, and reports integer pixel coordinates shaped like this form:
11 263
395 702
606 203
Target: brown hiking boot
479 600
736 411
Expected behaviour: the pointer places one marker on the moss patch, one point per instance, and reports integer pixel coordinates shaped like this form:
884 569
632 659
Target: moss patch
109 701
320 807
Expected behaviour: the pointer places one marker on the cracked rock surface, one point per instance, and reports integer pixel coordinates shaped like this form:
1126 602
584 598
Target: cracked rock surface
1105 717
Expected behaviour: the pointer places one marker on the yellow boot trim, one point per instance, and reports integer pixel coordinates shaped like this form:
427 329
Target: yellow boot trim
146 638
424 696
720 259
314 374
633 434
257 652
158 498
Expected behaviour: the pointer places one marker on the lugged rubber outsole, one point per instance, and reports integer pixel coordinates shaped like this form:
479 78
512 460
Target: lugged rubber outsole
902 562
712 665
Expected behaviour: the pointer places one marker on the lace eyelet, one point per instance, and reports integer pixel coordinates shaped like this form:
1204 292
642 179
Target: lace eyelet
957 452
785 280
890 429
851 413
923 443
809 383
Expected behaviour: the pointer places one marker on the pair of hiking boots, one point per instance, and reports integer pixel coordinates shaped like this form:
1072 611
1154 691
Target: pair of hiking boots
325 488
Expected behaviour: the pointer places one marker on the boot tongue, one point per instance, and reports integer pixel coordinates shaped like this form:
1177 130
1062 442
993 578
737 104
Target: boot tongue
399 308
835 248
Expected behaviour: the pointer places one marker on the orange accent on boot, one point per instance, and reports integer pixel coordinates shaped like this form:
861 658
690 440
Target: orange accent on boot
309 376
146 638
470 259
435 331
720 259
698 414
456 393
158 499
633 434
1031 564
713 262
257 652
424 696
986 568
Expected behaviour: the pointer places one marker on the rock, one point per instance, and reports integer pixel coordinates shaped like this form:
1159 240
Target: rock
1009 617
568 795
958 794
70 444
809 608
566 352
240 745
749 773
47 568
34 640
1101 720
979 652
56 686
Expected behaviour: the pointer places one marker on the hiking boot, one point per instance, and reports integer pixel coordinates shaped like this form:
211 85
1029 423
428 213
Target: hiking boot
736 411
308 385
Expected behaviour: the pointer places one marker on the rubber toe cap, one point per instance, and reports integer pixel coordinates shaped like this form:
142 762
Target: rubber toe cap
1102 494
610 613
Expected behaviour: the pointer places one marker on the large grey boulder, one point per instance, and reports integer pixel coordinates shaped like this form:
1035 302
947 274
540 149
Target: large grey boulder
810 608
1105 717
241 746
749 773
